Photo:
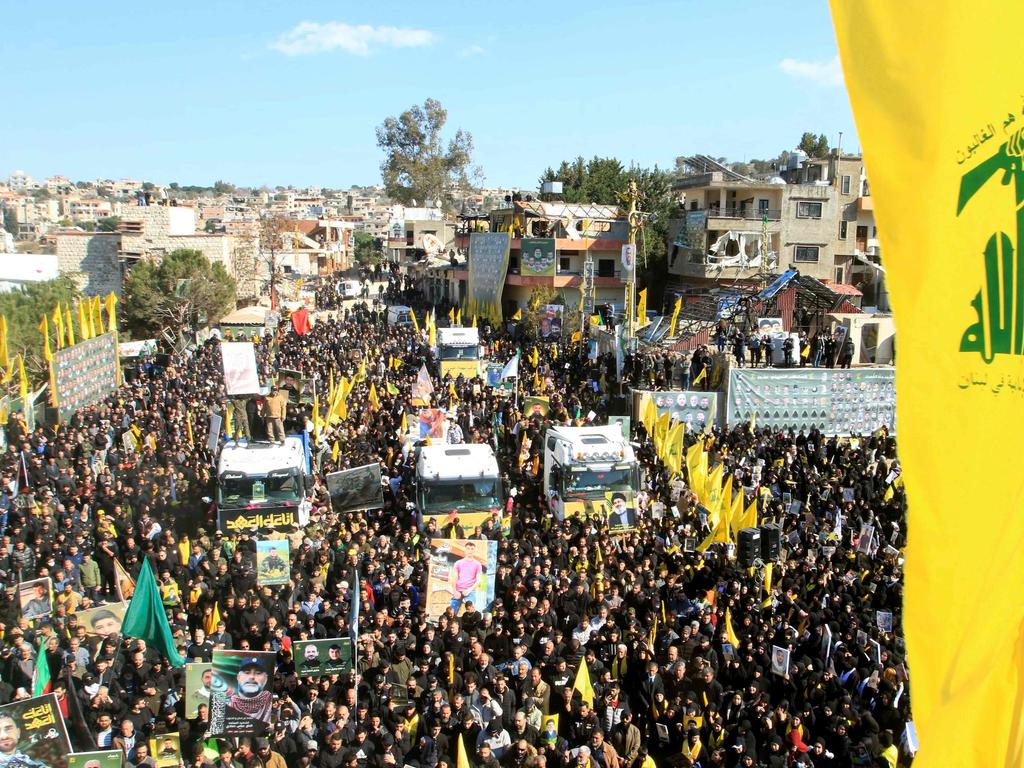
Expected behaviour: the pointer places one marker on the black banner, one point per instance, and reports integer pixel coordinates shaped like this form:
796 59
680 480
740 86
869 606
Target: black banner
281 519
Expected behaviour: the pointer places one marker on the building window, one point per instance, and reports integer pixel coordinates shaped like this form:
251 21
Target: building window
606 267
693 205
842 230
808 210
839 275
806 253
845 185
762 206
563 263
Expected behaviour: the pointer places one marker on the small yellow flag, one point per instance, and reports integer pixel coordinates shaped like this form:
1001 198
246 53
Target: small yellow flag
44 326
212 619
518 314
582 683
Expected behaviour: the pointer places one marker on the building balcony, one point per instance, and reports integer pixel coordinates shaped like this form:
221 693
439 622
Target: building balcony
745 212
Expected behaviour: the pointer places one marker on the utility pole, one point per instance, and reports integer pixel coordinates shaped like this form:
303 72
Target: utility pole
633 218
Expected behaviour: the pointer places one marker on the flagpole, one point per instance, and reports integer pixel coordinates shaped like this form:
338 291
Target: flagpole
353 629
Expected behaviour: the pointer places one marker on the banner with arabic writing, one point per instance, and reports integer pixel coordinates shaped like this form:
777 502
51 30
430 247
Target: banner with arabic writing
33 734
836 402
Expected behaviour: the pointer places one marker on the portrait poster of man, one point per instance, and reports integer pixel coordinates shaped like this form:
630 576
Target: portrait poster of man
106 758
320 658
356 488
36 598
536 406
104 620
32 734
166 750
771 326
272 558
198 687
461 570
551 321
241 703
621 511
432 423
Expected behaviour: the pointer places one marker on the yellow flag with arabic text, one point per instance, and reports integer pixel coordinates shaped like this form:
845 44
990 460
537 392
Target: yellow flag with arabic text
937 97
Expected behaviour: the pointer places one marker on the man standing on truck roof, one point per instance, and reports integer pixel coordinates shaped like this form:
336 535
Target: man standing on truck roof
273 411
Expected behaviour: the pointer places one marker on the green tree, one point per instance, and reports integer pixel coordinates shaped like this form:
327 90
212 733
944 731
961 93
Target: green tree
599 180
24 310
180 293
368 249
108 224
814 146
222 188
148 186
419 167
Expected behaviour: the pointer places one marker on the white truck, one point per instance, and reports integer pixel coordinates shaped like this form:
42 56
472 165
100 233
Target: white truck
584 467
463 478
263 485
458 350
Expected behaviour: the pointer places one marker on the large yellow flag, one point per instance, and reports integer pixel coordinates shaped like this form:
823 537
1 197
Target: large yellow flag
461 759
372 398
44 327
111 304
641 307
937 96
84 327
697 467
97 316
415 322
675 316
661 432
673 453
582 683
712 499
730 633
69 325
212 620
22 380
648 412
58 324
5 359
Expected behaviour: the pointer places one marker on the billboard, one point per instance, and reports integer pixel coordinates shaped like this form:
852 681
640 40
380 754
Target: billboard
281 519
836 402
32 734
356 488
537 257
488 264
692 408
241 701
84 374
460 570
320 658
272 556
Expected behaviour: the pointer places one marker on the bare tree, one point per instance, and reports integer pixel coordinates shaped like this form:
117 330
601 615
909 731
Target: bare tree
272 230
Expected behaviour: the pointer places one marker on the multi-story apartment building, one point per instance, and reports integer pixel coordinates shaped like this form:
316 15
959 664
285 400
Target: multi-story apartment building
577 233
19 181
816 217
85 209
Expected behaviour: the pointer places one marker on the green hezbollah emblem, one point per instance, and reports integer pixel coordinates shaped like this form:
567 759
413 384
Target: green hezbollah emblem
1000 306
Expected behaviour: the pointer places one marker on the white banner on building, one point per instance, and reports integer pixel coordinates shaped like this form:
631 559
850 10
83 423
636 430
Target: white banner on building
240 376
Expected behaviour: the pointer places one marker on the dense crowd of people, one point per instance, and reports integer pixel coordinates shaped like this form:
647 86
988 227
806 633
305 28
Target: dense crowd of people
131 479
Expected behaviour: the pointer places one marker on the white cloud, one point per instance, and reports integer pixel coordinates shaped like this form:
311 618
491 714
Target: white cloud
311 37
472 50
827 73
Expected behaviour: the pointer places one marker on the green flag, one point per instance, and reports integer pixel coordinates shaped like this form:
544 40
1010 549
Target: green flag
41 679
146 619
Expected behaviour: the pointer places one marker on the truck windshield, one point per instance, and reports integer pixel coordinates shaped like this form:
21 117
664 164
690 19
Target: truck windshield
582 479
458 353
461 494
276 487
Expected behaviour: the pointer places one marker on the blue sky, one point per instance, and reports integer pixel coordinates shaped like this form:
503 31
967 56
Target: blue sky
273 93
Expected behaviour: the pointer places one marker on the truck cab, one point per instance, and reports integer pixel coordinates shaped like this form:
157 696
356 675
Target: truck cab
462 478
264 477
458 350
583 466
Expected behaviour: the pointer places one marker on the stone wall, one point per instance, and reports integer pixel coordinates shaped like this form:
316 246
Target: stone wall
92 260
